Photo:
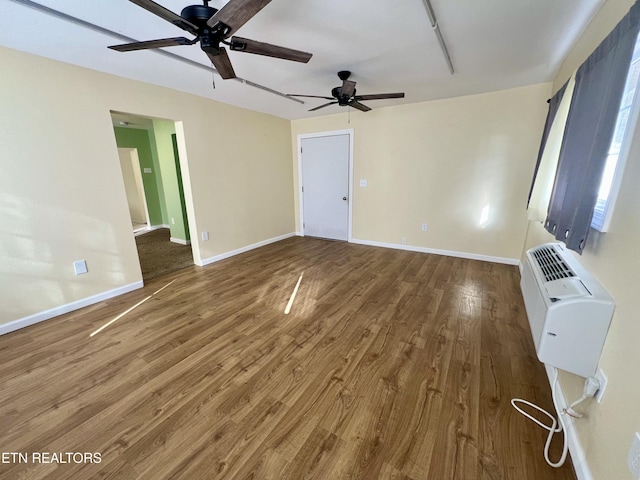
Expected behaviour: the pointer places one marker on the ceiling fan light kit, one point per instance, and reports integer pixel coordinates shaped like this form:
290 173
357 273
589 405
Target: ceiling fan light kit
212 28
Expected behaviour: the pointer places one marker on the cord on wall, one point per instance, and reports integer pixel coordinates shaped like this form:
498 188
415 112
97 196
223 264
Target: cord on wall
591 386
436 30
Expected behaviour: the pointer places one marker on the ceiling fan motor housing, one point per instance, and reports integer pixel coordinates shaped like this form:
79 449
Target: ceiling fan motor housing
198 14
343 100
210 44
209 38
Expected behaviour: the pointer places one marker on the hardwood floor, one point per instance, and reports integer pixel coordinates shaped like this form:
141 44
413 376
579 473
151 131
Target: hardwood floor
391 365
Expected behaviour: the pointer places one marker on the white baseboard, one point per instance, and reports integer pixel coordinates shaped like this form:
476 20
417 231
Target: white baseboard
142 231
180 241
222 256
578 456
156 227
448 253
69 307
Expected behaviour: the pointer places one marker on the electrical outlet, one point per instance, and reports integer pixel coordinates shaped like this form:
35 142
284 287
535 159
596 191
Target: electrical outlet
80 267
424 227
633 459
363 183
602 378
205 236
404 240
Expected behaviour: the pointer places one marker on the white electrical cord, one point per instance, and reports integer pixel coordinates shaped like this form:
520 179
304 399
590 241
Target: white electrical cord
591 386
556 425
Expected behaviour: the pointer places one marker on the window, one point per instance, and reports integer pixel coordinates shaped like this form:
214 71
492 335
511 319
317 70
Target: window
598 113
619 148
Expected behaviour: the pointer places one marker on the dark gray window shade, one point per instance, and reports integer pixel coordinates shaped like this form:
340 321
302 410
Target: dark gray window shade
592 117
554 104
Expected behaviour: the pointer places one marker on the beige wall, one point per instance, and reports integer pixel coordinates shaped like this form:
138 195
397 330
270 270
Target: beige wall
442 163
607 431
62 194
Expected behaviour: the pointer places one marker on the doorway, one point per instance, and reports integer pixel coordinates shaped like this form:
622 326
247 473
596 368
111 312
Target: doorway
147 148
325 166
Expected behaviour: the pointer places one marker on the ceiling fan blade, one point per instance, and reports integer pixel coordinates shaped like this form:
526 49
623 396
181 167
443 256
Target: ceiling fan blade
223 64
163 42
236 13
379 96
348 87
359 106
167 15
322 106
309 96
240 44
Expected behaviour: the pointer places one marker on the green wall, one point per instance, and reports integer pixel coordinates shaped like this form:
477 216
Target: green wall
161 136
139 139
174 142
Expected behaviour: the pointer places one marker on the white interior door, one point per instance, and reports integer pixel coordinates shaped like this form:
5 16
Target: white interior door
325 186
130 164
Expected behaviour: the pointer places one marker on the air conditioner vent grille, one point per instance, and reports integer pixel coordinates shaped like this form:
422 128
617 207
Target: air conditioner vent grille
551 264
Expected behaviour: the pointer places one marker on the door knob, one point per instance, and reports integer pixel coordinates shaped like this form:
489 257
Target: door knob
344 198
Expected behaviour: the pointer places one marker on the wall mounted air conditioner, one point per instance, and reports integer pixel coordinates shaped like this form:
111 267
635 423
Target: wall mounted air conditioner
569 311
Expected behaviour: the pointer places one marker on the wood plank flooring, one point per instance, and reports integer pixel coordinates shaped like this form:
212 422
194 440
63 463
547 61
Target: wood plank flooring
391 365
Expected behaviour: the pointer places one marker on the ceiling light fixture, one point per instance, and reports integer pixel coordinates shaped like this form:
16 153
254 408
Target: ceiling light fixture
436 29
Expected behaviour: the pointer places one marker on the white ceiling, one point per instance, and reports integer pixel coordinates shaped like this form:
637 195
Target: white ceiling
387 44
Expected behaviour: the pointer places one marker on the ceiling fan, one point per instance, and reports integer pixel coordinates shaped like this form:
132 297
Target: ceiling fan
345 95
211 28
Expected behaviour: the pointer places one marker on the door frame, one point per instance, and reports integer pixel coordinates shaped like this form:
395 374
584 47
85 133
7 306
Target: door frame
183 158
137 174
331 133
